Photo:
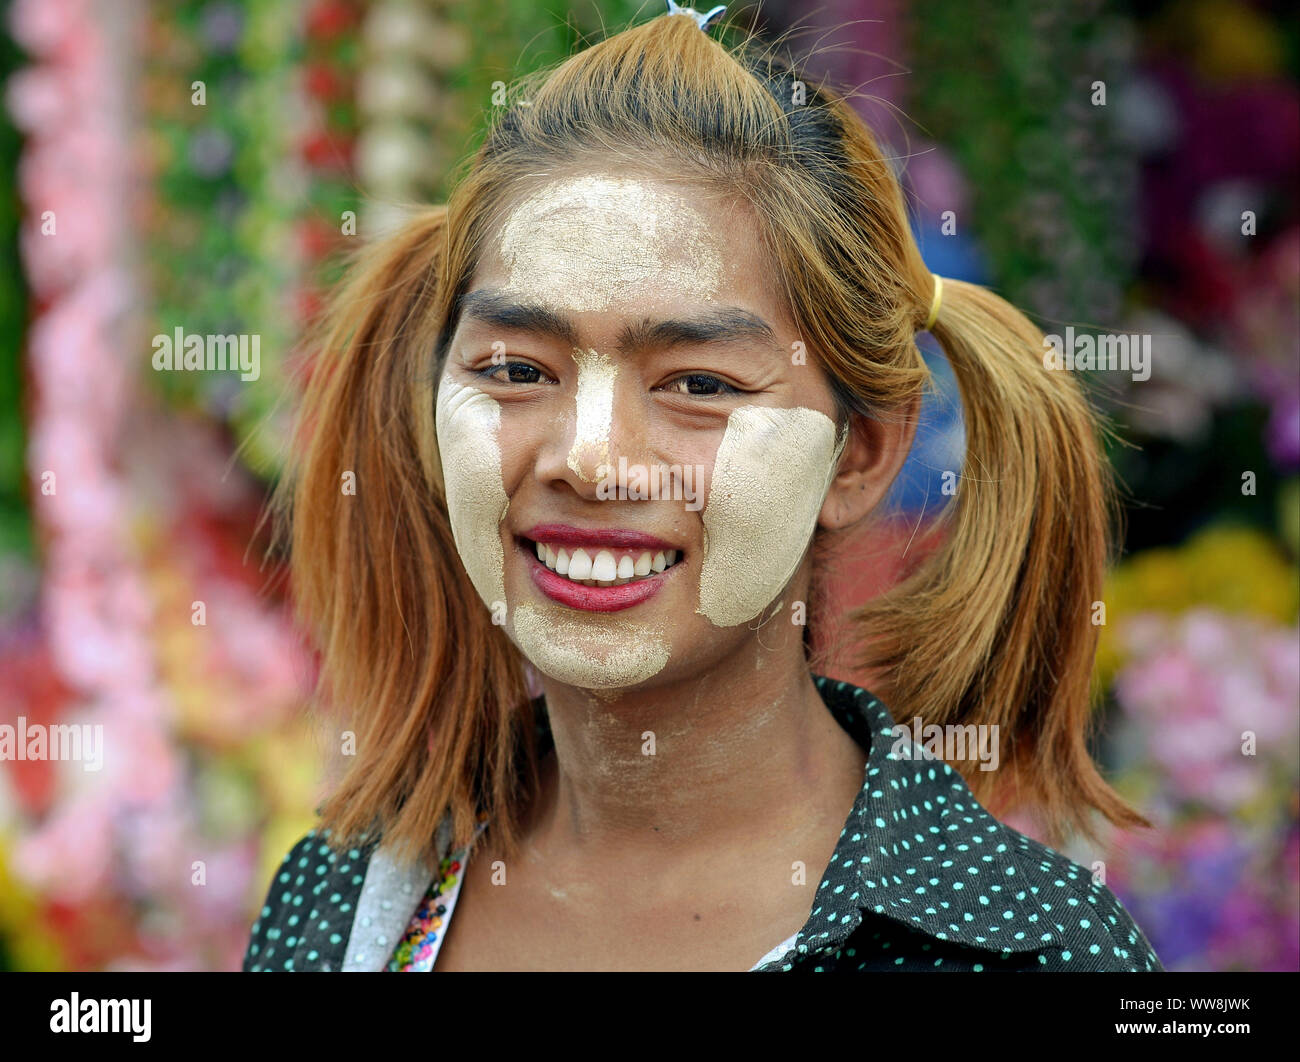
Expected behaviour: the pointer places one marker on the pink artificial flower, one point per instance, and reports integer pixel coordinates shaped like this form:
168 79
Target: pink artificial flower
41 26
68 858
37 99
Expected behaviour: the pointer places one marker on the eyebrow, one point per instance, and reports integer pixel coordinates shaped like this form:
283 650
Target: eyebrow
726 325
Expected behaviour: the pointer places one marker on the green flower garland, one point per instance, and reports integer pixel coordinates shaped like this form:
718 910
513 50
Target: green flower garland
15 523
221 253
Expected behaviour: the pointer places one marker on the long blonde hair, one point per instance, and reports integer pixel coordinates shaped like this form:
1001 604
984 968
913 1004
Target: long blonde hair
994 628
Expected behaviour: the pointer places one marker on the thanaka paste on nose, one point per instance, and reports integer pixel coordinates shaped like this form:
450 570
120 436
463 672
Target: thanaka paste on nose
595 403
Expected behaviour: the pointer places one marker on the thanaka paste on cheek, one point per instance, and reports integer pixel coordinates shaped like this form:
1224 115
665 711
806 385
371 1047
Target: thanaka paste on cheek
587 242
595 404
594 652
468 423
770 478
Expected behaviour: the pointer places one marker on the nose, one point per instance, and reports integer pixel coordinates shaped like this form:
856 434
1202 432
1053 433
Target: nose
589 456
608 419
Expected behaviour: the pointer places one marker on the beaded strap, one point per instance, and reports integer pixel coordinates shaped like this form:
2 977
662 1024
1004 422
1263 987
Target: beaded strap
418 948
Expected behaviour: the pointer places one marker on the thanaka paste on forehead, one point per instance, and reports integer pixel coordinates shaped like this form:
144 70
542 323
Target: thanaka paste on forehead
770 478
595 407
468 425
592 240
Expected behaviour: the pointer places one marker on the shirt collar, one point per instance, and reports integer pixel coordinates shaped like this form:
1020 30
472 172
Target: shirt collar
918 848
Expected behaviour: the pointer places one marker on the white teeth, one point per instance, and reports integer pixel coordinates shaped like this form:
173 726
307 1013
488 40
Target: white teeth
579 565
604 568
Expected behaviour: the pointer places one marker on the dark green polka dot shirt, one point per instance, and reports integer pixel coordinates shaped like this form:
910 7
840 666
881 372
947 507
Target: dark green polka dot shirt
923 878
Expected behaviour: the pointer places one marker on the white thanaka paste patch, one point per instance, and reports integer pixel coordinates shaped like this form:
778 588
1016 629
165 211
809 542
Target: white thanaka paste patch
595 405
590 650
468 424
587 242
770 478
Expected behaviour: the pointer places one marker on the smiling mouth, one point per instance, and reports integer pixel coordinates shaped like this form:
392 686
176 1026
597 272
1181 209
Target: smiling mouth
600 566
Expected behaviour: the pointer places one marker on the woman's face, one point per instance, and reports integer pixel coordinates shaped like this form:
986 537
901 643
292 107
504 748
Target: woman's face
635 444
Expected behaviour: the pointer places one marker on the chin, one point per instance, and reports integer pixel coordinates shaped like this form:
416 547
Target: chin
595 651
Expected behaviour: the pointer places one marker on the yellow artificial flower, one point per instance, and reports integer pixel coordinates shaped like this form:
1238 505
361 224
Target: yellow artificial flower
1236 570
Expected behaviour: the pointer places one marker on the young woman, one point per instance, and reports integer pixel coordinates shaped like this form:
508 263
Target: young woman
595 414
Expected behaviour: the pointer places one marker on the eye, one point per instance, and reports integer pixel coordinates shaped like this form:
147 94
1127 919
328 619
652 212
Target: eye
702 384
516 372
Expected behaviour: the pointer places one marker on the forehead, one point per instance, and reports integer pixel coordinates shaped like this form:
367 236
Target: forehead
605 242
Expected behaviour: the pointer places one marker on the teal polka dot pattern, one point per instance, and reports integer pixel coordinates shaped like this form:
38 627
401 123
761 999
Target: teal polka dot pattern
276 942
923 878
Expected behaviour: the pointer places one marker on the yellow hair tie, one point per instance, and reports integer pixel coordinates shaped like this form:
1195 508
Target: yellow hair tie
934 303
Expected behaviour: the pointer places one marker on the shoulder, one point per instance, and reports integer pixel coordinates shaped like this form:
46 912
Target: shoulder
1096 932
924 854
307 915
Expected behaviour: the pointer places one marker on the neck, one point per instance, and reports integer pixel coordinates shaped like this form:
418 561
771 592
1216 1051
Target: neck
728 755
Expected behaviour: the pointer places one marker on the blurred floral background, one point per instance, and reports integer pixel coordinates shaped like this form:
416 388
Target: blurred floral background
1120 167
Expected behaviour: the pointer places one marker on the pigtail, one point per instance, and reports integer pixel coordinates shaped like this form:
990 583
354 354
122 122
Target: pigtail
997 626
430 687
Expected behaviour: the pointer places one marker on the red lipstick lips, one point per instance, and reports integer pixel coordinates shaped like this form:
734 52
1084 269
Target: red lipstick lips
594 598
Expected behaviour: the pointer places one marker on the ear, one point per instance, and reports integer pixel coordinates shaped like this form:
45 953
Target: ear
873 454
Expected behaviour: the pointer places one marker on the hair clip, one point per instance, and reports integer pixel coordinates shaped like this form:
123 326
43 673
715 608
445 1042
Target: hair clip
702 20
